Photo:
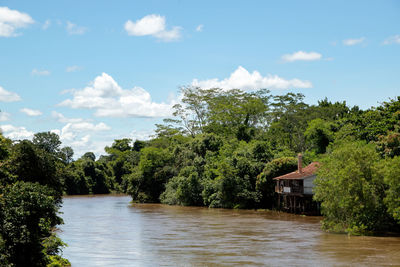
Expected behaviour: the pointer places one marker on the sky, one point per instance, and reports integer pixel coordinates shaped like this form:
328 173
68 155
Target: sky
95 71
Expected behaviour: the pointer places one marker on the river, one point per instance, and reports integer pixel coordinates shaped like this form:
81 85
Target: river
109 231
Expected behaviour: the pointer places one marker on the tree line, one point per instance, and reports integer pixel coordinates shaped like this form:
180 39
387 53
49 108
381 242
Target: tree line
220 149
223 148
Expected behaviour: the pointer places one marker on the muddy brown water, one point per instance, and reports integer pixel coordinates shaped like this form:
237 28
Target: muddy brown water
110 231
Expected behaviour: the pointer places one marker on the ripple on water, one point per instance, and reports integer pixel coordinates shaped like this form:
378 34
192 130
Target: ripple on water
109 231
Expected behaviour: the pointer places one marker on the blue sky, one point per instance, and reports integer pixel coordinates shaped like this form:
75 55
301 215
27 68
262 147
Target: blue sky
94 71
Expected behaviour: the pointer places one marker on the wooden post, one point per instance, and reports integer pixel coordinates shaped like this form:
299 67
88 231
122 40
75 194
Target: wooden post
279 201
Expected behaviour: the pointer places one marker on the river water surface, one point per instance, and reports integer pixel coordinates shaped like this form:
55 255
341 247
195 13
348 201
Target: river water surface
109 231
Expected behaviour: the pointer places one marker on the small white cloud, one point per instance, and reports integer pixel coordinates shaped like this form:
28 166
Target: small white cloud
301 55
141 135
350 42
16 133
4 116
31 112
37 72
199 28
74 29
153 25
108 99
6 96
244 80
395 39
73 68
46 24
11 20
61 118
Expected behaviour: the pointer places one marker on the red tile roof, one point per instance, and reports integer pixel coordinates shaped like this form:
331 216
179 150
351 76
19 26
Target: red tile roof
306 172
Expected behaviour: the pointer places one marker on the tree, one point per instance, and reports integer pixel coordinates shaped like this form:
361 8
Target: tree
350 187
28 212
318 135
47 141
148 179
32 164
265 185
391 170
89 156
66 154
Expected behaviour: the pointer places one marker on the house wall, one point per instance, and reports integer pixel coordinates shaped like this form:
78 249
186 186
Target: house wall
309 184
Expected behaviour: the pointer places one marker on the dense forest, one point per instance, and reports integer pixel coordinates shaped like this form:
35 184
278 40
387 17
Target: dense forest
220 149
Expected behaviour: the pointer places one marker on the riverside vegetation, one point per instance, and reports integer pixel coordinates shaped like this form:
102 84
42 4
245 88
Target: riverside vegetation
220 149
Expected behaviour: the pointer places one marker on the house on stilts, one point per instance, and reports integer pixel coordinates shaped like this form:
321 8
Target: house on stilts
295 189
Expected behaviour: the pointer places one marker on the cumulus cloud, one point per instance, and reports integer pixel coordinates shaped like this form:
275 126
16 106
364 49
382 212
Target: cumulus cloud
31 112
11 20
16 133
301 55
244 80
76 126
72 68
108 99
6 96
199 28
37 72
350 42
153 25
81 134
74 29
395 39
4 116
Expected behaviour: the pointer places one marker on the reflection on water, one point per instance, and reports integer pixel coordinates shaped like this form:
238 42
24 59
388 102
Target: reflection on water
109 231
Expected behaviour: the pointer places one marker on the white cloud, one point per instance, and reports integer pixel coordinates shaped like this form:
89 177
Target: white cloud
350 42
40 72
16 133
242 79
72 68
74 29
301 55
108 99
61 118
11 20
199 28
71 128
395 39
153 25
82 135
31 112
76 126
6 96
46 24
141 135
4 116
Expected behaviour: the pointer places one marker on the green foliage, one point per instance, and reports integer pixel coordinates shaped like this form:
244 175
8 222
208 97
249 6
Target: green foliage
66 154
319 134
265 185
391 171
148 179
351 190
32 164
90 156
48 141
28 212
184 189
58 261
